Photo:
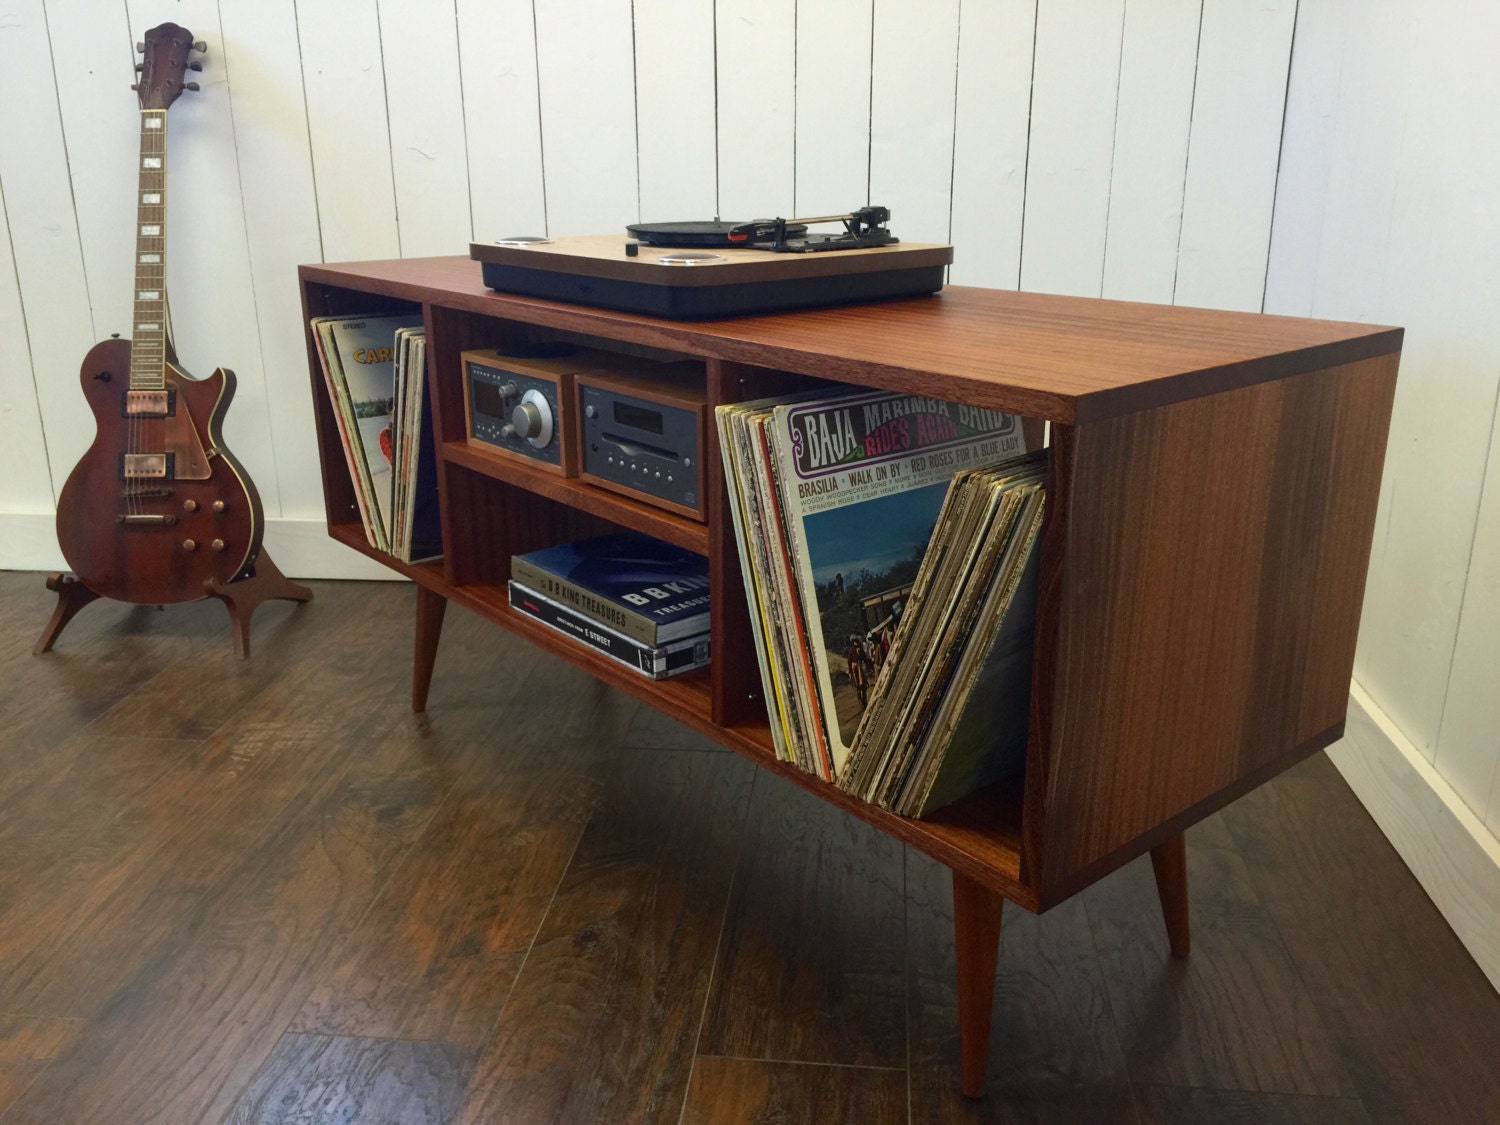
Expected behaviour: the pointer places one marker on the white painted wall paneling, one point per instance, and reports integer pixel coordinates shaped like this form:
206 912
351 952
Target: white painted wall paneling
833 107
263 62
1307 145
425 98
674 92
992 125
343 80
915 66
25 480
44 233
502 121
94 59
1244 51
587 74
1074 82
757 53
1158 67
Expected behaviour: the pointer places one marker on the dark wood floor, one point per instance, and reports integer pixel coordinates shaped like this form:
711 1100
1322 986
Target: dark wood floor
264 891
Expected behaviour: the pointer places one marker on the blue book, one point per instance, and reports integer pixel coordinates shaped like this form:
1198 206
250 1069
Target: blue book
653 592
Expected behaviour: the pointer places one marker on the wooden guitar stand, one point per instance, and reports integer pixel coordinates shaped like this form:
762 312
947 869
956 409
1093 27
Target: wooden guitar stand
242 597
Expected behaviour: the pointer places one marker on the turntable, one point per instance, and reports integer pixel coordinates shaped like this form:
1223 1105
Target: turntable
709 269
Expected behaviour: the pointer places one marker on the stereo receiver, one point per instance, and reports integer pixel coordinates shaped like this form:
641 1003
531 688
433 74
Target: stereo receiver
517 399
643 433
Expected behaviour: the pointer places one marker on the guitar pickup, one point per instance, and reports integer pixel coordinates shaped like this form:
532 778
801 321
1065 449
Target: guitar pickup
145 466
149 404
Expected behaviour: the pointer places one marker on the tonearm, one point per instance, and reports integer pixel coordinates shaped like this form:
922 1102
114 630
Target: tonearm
864 227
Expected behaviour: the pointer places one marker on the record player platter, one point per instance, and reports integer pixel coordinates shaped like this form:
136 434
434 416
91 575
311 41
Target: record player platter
696 233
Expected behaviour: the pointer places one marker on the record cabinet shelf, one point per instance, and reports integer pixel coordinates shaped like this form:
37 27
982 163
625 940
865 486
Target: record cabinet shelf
1211 502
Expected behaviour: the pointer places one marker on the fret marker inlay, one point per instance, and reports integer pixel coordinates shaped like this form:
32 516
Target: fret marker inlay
150 230
151 162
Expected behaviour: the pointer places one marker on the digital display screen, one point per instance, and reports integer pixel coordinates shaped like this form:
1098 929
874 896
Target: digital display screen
638 418
487 399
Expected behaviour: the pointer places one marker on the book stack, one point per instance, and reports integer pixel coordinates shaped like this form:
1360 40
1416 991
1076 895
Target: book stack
636 599
835 498
375 370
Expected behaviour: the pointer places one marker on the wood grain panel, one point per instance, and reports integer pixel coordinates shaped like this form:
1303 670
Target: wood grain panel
318 1078
241 962
837 999
1057 358
438 951
1235 1014
602 1023
1206 628
1382 967
1174 1105
750 1091
1053 1053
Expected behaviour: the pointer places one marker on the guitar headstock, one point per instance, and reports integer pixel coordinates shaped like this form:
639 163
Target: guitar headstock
166 55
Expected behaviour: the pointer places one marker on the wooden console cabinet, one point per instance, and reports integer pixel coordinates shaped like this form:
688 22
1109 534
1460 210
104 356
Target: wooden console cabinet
1212 495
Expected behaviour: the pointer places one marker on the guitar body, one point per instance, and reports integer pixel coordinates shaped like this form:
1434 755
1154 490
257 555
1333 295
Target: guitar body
157 506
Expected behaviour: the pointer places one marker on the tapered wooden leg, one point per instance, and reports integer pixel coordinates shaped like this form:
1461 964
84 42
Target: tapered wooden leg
72 595
245 595
430 610
1169 860
976 923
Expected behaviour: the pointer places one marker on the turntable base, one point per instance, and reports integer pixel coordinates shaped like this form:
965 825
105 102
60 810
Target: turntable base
694 284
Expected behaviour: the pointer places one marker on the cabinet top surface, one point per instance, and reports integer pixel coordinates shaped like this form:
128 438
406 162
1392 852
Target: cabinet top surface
1068 359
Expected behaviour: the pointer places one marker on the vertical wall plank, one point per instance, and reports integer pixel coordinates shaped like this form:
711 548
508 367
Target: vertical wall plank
25 482
588 115
990 136
44 233
757 52
1468 752
833 107
1072 140
425 99
209 290
261 56
912 113
502 121
1158 64
674 69
1408 238
343 77
1307 146
1243 55
100 117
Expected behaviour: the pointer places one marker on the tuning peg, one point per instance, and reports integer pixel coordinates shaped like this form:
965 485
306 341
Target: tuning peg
140 48
195 66
136 86
190 86
140 66
199 45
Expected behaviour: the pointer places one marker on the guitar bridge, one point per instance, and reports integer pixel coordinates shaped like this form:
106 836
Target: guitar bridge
153 521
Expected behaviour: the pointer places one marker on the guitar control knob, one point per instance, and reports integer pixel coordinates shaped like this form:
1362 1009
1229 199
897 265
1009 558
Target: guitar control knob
533 419
189 545
190 505
219 506
217 544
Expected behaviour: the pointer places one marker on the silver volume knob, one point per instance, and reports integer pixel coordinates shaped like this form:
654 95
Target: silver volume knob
532 419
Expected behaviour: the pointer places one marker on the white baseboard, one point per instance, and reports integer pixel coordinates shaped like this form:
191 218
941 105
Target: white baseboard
1449 850
301 548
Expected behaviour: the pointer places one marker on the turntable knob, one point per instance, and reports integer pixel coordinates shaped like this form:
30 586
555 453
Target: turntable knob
532 419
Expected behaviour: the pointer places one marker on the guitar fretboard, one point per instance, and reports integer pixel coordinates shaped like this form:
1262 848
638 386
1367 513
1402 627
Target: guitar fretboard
149 327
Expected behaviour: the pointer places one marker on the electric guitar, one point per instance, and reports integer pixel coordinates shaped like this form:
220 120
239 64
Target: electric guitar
157 507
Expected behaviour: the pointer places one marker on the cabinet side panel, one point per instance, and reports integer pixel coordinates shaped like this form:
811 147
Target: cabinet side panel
1212 581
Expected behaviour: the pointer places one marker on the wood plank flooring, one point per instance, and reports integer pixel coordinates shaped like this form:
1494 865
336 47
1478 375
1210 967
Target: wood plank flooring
265 892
